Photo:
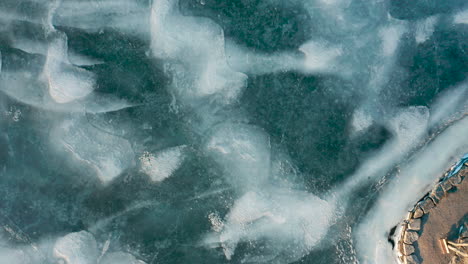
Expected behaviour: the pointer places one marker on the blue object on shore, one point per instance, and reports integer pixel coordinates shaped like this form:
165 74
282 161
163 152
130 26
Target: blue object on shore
459 165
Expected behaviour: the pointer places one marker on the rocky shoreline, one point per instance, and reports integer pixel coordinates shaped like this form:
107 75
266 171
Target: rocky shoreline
412 238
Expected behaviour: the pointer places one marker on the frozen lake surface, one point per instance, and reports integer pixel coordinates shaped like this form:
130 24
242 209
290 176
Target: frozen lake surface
211 131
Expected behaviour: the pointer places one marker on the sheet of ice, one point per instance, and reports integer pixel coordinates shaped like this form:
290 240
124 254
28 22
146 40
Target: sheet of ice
77 248
425 28
66 82
162 164
119 258
195 47
290 223
416 176
461 17
102 151
243 151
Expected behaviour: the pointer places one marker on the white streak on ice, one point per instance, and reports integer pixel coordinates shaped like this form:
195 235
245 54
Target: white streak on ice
408 127
450 103
313 57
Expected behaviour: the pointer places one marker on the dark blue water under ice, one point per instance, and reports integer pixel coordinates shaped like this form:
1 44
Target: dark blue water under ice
223 131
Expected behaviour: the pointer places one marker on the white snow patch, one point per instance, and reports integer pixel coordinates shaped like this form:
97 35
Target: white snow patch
161 165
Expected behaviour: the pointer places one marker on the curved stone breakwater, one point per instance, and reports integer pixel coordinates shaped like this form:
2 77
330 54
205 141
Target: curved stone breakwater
440 214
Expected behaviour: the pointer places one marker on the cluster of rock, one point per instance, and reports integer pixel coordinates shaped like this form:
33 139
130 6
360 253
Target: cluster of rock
412 226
